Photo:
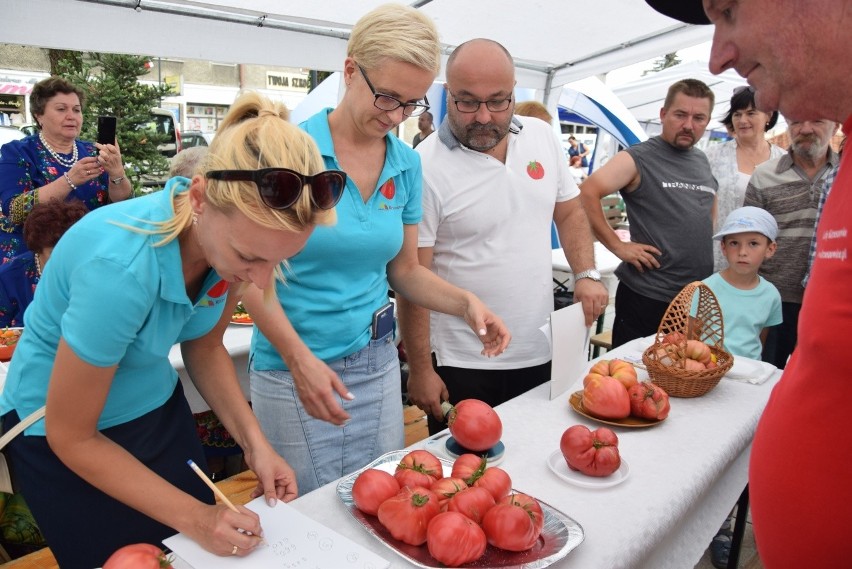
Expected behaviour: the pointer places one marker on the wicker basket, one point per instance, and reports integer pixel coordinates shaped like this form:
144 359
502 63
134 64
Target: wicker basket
699 319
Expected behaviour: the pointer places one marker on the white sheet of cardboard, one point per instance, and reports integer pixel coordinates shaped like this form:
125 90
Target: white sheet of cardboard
569 348
293 540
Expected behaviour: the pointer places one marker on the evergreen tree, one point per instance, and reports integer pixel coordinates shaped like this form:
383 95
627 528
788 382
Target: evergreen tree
668 60
112 87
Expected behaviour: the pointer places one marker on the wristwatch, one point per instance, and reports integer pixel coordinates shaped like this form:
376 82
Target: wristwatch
117 181
588 274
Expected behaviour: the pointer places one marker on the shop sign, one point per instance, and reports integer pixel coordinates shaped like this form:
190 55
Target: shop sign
175 84
286 81
11 85
12 102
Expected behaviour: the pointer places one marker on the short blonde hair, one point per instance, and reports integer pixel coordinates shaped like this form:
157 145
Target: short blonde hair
397 32
254 134
534 109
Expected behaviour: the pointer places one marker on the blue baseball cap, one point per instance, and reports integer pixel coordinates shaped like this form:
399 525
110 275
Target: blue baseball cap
688 11
749 218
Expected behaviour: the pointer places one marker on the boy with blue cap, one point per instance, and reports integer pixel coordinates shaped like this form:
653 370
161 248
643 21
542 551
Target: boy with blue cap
750 304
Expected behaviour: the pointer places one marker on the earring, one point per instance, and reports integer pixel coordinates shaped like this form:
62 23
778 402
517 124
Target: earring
194 219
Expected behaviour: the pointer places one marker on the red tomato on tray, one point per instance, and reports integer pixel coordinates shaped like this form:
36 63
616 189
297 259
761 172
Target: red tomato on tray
371 488
419 468
515 523
138 556
407 515
472 503
454 539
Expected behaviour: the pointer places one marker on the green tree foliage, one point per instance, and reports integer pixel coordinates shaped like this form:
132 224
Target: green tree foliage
668 60
111 83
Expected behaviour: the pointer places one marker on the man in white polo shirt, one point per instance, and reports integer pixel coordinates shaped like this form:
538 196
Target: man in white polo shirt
492 185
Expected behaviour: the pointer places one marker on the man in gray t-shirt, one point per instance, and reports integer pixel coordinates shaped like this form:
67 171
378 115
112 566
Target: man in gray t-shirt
670 194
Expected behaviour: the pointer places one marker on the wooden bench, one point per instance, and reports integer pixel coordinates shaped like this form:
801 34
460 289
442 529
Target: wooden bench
602 340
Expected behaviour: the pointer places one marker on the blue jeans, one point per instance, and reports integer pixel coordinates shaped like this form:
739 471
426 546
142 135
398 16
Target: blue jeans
321 452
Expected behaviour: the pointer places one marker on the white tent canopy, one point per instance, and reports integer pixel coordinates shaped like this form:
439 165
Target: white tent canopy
645 96
554 42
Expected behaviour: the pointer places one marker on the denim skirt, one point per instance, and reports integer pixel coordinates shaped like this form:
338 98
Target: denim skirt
321 452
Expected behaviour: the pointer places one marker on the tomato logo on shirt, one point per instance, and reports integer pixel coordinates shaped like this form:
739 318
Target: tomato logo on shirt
388 189
535 170
218 289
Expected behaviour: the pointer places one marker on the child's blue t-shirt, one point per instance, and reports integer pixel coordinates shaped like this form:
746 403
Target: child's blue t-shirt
340 278
745 313
115 299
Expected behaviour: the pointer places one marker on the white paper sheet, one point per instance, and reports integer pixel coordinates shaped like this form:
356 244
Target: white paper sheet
293 541
570 348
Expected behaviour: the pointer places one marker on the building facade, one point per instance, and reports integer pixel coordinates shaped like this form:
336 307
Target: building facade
203 90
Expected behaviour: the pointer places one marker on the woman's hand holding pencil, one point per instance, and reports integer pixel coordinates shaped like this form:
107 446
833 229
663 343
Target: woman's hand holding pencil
241 535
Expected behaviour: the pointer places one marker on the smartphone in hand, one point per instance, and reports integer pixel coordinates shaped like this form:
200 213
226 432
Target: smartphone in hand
106 130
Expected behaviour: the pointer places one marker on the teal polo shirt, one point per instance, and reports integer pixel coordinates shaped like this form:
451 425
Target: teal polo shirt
115 298
340 278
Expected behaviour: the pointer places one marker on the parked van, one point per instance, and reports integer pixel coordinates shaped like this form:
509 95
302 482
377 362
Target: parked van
163 122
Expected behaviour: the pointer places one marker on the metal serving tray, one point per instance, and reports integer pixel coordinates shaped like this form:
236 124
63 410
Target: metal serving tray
559 536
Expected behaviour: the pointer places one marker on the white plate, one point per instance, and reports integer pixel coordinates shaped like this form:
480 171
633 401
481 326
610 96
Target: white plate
557 464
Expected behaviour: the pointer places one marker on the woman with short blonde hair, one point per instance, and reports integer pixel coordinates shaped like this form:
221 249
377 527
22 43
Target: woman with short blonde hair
325 376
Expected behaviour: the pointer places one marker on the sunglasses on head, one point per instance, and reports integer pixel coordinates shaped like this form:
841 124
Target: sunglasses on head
280 188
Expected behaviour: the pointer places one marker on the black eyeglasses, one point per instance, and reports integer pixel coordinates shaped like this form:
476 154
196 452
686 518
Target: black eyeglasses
280 188
388 103
471 105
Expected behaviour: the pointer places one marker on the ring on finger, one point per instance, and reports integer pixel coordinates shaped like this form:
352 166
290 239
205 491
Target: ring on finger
234 550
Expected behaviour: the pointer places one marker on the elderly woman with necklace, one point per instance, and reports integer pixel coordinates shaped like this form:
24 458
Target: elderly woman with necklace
54 165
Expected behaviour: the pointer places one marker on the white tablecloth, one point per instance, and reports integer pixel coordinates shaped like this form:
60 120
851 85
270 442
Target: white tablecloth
237 341
685 476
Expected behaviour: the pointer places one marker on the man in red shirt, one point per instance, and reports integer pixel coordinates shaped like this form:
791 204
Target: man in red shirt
795 54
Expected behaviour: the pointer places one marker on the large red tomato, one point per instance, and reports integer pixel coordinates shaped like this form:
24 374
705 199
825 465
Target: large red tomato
515 523
407 515
419 468
446 488
606 398
496 481
454 539
469 467
474 424
472 502
371 488
594 453
138 556
619 369
649 401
